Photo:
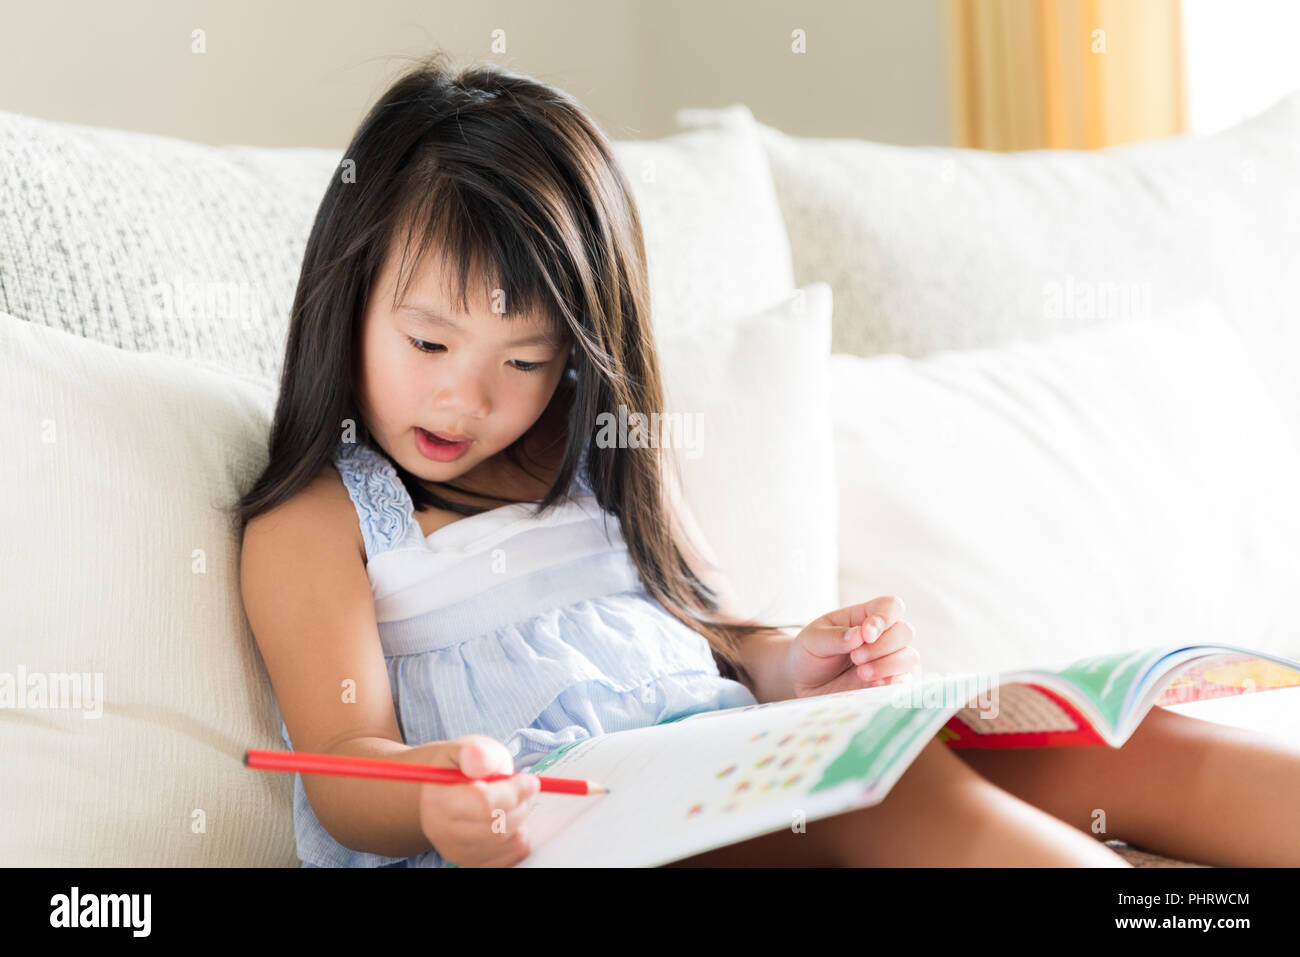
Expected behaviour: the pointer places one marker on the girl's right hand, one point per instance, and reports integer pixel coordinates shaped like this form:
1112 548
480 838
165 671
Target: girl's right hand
478 823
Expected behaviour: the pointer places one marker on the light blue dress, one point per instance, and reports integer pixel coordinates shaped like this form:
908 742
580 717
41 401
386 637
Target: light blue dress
534 631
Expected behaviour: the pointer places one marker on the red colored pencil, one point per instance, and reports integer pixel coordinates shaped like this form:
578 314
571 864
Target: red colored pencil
305 762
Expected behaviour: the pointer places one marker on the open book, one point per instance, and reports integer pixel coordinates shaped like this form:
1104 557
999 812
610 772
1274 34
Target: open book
719 777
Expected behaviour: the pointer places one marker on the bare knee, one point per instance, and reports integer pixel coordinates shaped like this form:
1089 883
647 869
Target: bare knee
929 817
941 812
1011 832
937 775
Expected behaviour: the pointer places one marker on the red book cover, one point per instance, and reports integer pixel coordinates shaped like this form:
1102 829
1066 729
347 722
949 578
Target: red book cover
1062 725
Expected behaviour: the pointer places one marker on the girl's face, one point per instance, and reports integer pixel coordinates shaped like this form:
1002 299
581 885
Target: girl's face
480 376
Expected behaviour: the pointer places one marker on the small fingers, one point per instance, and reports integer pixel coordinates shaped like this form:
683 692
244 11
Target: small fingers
514 848
899 663
897 636
477 800
888 609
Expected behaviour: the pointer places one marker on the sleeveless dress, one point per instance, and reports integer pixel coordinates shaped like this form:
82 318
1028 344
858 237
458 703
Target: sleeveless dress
535 631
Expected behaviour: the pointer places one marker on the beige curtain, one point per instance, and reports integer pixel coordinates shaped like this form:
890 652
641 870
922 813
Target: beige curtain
1064 74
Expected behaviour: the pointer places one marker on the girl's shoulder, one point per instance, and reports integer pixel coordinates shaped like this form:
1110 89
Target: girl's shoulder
321 506
336 506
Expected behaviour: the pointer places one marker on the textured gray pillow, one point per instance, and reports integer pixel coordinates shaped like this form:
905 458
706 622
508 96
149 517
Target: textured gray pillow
100 228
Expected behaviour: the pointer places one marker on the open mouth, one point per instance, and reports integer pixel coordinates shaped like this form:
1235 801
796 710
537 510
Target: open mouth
439 447
443 438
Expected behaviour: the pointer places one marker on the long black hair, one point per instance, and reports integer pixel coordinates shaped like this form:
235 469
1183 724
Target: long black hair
513 180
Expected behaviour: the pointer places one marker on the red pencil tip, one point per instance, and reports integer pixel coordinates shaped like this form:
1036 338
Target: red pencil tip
245 759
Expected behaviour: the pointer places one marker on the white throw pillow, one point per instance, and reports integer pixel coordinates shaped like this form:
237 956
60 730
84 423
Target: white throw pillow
1123 486
155 244
122 563
931 248
714 239
761 478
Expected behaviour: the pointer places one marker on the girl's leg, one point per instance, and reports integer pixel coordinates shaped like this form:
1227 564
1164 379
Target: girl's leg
939 813
1180 786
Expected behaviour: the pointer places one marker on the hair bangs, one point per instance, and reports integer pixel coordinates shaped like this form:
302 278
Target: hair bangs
484 250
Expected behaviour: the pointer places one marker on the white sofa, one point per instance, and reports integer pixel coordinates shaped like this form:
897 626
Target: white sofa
1038 478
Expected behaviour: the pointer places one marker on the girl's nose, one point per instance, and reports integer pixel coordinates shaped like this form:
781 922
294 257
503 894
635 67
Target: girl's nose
462 389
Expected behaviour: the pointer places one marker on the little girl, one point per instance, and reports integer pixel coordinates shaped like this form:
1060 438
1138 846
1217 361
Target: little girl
442 567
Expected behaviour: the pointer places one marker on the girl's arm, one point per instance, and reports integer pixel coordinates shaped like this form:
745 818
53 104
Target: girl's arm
308 600
763 655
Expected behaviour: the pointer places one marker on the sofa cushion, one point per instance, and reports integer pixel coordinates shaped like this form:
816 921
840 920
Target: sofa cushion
155 244
931 248
1117 487
759 471
119 473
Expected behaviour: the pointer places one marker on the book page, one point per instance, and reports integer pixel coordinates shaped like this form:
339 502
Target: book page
715 778
720 777
1204 672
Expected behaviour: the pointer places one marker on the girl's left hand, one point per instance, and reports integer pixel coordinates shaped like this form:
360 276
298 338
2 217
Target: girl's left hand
855 647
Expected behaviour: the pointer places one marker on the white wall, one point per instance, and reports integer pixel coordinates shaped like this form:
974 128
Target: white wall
1241 58
301 73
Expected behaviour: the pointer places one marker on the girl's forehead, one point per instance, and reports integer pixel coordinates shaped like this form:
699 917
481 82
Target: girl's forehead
411 281
432 275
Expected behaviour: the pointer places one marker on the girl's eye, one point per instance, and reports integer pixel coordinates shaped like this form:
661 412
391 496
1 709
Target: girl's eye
431 347
423 346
